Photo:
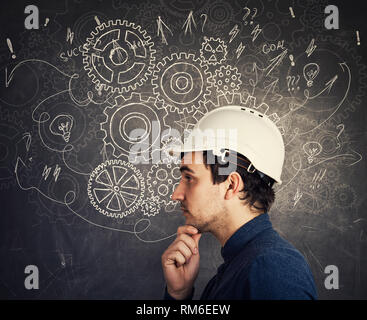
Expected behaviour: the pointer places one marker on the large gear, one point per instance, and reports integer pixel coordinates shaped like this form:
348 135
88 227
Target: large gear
162 181
116 188
317 200
181 81
134 113
119 56
185 120
213 51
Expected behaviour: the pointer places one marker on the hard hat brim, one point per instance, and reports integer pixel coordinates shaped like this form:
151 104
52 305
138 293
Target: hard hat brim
179 151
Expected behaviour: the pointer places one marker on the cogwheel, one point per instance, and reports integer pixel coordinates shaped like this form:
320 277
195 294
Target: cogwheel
220 15
119 56
332 174
148 116
183 121
313 14
181 81
227 79
167 145
150 207
344 196
213 51
315 199
162 181
116 188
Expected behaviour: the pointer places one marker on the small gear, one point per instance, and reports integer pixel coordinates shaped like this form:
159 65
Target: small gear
116 188
119 56
344 196
227 79
220 14
181 81
147 116
162 181
213 51
167 145
332 174
150 207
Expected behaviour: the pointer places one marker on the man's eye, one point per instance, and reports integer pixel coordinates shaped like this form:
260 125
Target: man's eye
188 178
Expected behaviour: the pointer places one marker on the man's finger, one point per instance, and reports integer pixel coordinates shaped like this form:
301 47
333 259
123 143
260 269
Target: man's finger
175 257
184 249
188 240
187 229
197 237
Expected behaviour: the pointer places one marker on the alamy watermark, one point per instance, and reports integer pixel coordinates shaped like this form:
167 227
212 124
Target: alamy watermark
32 20
332 20
332 280
32 280
167 146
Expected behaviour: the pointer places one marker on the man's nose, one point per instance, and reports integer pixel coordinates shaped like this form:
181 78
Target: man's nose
178 193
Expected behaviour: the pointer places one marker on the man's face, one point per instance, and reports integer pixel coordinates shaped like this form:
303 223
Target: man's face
201 200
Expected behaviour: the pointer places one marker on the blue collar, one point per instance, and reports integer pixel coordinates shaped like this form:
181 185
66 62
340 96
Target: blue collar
244 235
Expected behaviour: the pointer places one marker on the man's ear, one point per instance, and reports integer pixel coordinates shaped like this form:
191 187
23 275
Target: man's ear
234 185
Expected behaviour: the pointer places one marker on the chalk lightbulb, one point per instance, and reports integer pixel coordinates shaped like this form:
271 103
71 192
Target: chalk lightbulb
312 149
310 72
61 126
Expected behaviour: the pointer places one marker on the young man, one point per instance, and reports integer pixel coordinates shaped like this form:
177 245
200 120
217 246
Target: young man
226 189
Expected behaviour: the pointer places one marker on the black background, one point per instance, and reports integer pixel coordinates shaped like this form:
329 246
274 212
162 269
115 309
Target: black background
86 256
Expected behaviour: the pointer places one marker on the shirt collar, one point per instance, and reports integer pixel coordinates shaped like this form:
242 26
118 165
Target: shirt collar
244 235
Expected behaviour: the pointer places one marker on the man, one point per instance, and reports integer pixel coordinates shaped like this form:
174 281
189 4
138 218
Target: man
226 189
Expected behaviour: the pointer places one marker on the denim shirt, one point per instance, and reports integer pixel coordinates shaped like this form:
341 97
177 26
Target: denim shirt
259 264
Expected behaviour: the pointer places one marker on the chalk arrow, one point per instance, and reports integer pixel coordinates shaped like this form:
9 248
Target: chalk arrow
275 62
8 79
344 67
328 86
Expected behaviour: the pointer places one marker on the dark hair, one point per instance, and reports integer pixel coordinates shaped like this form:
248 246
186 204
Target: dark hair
257 186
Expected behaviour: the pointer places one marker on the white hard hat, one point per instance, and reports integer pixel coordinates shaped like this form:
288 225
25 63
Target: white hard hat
242 130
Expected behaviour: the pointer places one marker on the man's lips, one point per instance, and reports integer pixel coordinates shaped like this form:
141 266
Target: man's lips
184 209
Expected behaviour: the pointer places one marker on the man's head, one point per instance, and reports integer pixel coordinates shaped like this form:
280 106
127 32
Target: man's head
219 195
211 199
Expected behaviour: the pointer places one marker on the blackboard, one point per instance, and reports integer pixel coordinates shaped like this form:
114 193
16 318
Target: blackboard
74 200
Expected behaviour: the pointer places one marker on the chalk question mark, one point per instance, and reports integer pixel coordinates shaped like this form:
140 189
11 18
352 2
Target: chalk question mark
206 18
253 16
341 127
246 15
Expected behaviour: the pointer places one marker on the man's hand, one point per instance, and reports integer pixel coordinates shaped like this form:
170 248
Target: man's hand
180 262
